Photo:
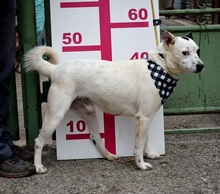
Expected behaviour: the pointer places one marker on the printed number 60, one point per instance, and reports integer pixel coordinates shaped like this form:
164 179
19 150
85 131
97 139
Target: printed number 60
134 14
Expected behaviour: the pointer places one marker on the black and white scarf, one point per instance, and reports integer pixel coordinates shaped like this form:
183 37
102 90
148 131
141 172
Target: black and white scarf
164 82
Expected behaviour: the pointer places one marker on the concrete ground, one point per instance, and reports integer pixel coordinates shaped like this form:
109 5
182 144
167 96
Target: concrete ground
191 165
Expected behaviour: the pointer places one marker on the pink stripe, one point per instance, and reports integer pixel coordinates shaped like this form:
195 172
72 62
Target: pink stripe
130 25
109 126
105 30
108 135
80 136
78 4
81 48
106 54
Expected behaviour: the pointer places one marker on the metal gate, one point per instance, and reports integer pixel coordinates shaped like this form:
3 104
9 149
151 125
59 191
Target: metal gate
194 94
198 94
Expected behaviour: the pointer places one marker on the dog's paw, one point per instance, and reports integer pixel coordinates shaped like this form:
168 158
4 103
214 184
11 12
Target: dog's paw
40 169
144 166
110 156
152 155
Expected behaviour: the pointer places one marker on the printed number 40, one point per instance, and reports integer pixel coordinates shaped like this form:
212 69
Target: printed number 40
136 55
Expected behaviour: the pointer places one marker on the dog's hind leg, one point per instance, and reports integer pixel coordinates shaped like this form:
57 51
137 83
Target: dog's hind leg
58 104
85 108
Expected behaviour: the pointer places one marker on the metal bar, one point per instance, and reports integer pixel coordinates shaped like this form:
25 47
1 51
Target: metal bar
189 11
192 130
194 110
13 114
46 84
47 22
30 81
196 28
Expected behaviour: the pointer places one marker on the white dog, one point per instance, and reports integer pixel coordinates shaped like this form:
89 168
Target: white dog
133 88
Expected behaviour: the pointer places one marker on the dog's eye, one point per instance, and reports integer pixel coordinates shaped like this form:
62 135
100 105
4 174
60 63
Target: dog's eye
198 52
185 53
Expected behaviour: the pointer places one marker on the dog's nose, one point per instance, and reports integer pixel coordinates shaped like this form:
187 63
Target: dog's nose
199 67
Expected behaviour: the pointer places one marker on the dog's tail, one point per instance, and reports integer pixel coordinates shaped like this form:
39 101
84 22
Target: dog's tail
33 60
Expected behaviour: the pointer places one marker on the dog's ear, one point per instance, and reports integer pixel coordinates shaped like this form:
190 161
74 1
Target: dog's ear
189 35
167 38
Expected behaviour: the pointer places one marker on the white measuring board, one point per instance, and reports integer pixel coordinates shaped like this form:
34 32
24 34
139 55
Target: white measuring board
111 30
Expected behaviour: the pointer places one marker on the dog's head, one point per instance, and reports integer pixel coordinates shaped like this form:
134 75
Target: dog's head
181 54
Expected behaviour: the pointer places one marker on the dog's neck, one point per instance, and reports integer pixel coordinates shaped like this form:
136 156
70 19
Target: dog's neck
160 57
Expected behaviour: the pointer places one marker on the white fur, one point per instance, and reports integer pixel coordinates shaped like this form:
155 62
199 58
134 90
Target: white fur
122 88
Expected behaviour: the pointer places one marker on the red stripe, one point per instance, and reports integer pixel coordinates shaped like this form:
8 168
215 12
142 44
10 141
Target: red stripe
106 54
78 4
105 30
80 136
130 25
110 138
81 48
108 135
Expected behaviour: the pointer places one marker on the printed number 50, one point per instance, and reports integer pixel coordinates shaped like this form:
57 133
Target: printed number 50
69 38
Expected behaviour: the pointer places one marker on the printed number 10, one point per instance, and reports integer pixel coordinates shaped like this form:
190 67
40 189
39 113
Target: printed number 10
80 126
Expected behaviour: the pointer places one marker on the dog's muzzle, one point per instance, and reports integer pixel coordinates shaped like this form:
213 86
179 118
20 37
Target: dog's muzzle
199 67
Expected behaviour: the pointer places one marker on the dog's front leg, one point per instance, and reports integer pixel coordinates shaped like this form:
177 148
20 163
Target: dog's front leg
148 153
142 126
